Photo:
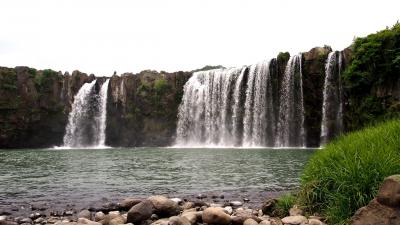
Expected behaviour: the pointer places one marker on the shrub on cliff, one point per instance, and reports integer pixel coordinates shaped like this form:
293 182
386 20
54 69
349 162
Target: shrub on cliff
373 70
346 174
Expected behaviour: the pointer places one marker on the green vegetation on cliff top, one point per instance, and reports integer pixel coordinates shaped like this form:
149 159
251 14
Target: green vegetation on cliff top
346 174
371 77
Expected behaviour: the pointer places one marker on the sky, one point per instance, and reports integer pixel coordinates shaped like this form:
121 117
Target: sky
100 37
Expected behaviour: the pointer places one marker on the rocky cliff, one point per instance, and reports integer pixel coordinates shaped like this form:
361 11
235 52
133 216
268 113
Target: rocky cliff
142 108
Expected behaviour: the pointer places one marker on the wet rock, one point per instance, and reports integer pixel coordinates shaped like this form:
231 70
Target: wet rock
154 217
99 216
85 214
216 216
389 192
295 211
26 220
236 203
38 206
128 203
246 200
164 206
177 200
110 206
250 222
39 220
201 196
315 222
140 212
87 221
268 206
294 220
176 220
200 203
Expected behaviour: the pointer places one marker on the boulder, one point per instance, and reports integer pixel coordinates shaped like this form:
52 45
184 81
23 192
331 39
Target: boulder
128 203
99 216
140 212
84 214
176 220
250 222
216 216
164 206
376 214
294 220
389 192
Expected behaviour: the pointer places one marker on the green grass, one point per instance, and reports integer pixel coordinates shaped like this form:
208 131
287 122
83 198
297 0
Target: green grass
346 174
284 203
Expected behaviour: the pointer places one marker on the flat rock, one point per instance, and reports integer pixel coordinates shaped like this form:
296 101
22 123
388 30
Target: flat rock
294 220
315 222
216 216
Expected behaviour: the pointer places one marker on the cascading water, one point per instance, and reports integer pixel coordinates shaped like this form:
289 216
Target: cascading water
87 119
332 107
211 112
291 111
103 114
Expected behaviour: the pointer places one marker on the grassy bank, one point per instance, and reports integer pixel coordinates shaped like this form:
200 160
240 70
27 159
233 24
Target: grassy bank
346 174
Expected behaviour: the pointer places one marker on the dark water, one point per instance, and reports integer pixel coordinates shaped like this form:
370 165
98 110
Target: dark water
84 176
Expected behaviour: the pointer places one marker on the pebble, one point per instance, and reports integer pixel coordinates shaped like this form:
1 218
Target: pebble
177 200
236 203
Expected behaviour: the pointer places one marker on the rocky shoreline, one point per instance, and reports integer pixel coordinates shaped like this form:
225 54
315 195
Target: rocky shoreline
207 208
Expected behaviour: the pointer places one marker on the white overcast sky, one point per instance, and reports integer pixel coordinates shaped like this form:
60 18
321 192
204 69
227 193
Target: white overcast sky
100 37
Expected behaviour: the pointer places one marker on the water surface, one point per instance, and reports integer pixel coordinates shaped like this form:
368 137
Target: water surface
87 175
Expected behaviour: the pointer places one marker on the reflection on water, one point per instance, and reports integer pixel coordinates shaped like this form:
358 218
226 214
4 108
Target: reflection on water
86 175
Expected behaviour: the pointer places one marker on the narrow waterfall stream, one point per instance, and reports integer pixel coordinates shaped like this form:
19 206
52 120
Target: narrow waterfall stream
87 119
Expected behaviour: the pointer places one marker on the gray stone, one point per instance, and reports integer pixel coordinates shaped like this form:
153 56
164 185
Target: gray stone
85 214
140 212
99 216
216 216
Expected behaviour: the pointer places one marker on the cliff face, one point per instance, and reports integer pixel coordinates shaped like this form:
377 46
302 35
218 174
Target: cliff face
34 105
142 108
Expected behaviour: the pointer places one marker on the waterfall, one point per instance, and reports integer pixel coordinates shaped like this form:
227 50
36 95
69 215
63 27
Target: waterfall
103 113
332 106
87 119
229 107
291 115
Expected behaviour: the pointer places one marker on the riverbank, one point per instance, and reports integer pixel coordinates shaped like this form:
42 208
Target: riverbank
210 208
